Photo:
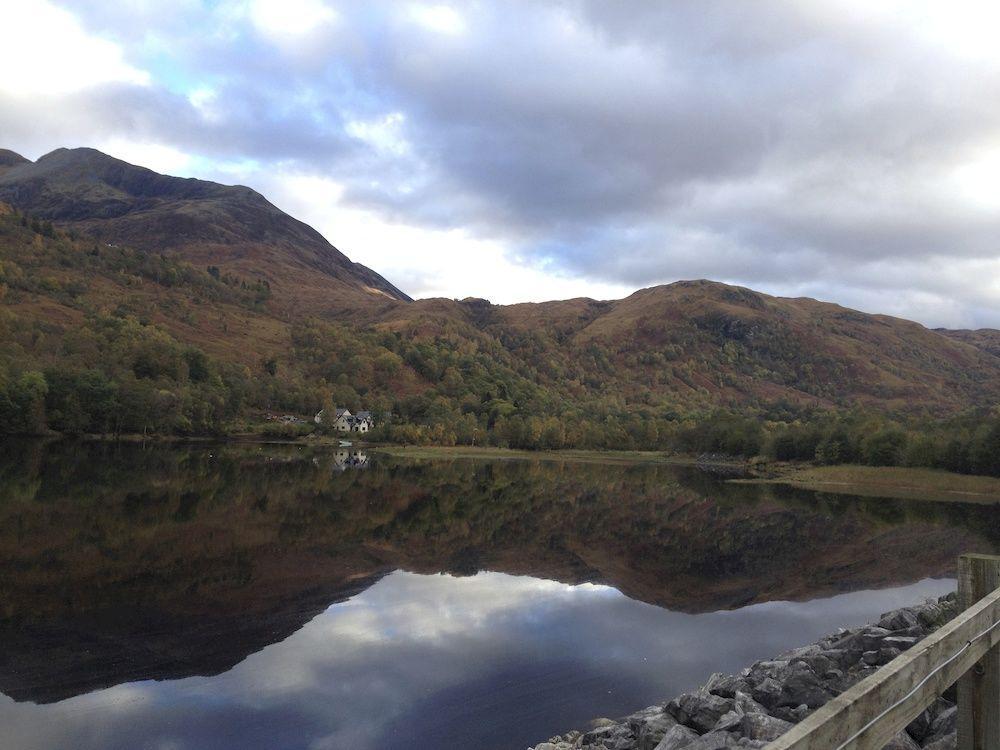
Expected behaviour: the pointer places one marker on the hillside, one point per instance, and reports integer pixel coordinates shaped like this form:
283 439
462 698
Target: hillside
194 307
232 227
987 339
703 344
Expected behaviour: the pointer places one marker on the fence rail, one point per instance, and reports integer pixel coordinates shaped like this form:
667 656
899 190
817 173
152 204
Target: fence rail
866 716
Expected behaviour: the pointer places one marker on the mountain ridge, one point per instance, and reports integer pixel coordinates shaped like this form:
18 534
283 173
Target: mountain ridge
156 281
230 226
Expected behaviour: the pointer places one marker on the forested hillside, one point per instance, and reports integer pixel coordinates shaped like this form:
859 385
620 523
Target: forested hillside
109 329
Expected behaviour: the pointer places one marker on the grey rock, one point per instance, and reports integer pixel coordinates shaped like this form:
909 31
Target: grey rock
799 653
937 614
715 741
649 733
747 704
763 727
818 663
767 692
803 686
677 737
901 741
873 635
901 642
725 685
899 620
792 714
841 657
729 721
920 727
945 743
886 654
700 711
609 736
944 723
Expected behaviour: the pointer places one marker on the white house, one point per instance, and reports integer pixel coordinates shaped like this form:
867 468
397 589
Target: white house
344 421
362 422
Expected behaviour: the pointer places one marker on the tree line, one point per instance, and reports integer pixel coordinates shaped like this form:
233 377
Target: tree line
116 368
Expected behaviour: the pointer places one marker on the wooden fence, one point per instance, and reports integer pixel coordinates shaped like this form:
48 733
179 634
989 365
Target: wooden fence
866 716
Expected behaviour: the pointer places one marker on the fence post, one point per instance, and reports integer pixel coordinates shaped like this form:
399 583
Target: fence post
979 688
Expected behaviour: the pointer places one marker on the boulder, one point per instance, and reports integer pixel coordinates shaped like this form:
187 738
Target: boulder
944 724
701 711
610 737
650 728
725 685
945 743
935 615
900 642
803 686
899 620
901 741
715 741
763 727
676 738
767 692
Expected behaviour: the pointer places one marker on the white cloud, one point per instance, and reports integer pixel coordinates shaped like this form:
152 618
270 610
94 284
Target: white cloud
45 51
384 134
439 18
284 19
426 262
960 28
156 156
977 180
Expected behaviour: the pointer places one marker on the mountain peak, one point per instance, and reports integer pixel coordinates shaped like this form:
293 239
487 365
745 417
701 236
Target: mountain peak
10 159
207 223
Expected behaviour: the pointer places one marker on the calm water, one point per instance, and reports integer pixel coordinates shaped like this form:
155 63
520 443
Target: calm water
269 597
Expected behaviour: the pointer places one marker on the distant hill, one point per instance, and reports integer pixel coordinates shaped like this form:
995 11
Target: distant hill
704 343
232 227
214 306
987 339
9 159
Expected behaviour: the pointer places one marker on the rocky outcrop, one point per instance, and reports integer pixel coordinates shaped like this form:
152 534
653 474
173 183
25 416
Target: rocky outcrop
762 702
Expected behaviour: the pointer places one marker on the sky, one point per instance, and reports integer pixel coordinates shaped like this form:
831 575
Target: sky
847 150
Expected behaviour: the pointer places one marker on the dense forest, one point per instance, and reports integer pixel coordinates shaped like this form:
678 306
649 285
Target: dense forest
100 338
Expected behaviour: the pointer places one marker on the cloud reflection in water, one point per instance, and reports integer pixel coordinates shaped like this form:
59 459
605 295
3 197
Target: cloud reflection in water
417 661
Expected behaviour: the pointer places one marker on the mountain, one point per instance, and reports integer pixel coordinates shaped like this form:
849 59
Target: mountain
702 342
987 339
198 307
232 227
9 159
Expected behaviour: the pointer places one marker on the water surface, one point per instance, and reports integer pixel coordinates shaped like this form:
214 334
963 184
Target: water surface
274 597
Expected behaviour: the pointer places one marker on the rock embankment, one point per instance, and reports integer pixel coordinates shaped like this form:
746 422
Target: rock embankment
759 704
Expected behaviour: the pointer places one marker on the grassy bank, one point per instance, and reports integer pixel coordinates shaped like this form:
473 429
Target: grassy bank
888 481
588 456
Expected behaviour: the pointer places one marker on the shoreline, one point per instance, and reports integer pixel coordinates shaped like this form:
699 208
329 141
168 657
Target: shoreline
896 482
889 482
564 454
758 705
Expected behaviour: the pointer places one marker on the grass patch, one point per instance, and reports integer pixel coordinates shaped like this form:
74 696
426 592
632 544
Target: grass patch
890 481
582 456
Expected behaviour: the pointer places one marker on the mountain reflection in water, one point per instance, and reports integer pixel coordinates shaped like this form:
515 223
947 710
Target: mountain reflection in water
121 565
